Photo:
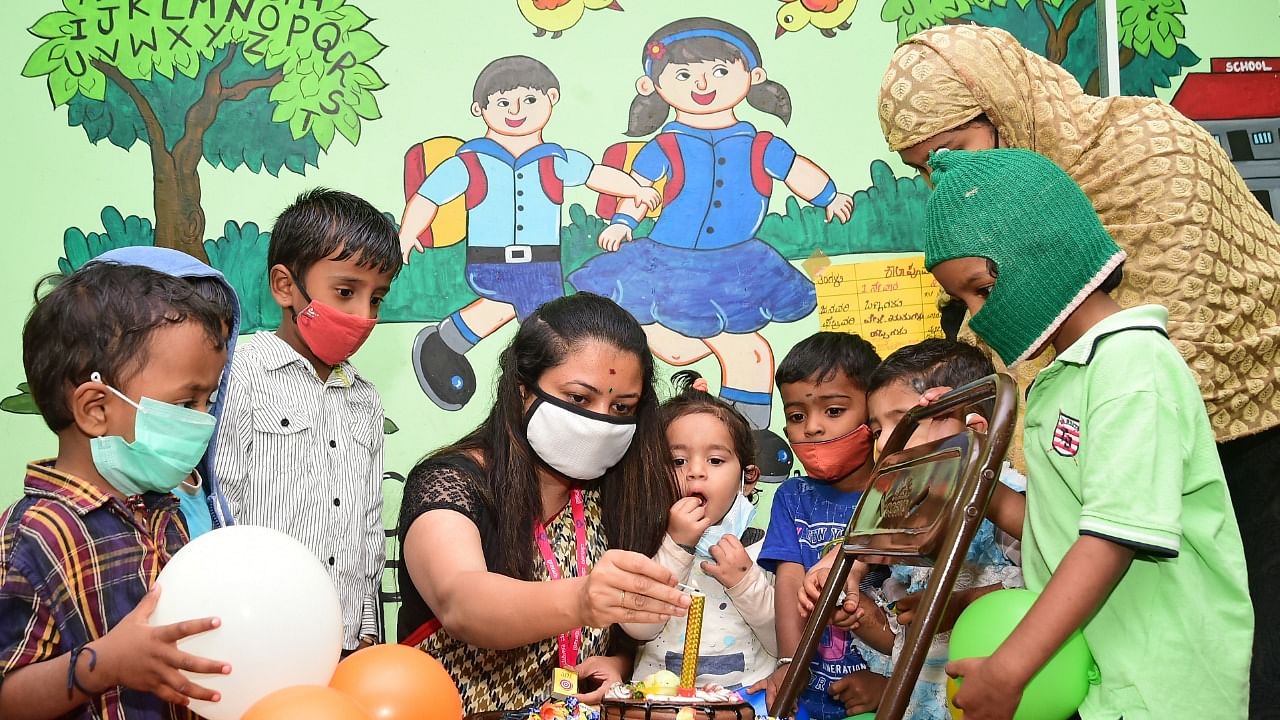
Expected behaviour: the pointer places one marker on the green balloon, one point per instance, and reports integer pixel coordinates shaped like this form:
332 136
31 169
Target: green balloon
862 716
1061 685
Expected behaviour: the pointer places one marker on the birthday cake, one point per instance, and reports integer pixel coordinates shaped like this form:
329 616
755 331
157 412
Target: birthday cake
658 698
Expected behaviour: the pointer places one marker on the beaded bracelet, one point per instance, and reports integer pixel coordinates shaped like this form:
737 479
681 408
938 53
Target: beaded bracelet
73 683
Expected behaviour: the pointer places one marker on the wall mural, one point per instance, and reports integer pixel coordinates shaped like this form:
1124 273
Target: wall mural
503 206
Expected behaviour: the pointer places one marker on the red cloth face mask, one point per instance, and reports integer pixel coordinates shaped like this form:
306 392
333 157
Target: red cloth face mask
331 334
831 460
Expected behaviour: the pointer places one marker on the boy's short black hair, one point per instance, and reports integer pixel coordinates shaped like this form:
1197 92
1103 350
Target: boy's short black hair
217 293
322 222
509 73
821 355
100 319
935 362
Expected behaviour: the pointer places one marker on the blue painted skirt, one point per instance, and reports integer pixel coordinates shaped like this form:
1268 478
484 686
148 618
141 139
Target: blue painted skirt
700 293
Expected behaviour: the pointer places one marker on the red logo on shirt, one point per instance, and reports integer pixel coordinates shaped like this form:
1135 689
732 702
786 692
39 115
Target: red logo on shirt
1066 436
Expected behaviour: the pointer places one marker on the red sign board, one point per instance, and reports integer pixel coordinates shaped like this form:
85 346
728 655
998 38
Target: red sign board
1245 65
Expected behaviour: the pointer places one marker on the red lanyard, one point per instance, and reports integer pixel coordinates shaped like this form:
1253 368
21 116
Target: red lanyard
569 643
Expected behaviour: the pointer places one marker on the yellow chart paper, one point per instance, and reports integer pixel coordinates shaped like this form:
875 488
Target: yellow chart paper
890 303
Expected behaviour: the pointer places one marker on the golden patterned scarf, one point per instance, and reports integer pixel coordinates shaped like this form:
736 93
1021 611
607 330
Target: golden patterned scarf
1198 242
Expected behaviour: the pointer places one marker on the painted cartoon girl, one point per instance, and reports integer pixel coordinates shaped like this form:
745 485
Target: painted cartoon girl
702 282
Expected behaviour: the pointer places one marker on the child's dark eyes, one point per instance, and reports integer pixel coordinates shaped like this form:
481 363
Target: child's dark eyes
715 461
346 292
795 418
835 412
983 292
376 301
678 462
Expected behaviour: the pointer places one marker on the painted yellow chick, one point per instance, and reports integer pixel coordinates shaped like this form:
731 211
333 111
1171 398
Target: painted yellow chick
826 15
556 16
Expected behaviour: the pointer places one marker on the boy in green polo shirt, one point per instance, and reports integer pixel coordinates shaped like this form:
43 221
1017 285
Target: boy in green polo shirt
1129 531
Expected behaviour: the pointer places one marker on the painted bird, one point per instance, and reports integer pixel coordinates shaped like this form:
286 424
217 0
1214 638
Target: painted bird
556 16
826 15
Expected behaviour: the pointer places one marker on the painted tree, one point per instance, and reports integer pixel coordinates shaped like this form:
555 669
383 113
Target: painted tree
256 83
1064 31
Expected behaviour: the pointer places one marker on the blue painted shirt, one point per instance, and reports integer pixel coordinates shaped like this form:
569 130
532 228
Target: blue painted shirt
515 210
717 206
807 518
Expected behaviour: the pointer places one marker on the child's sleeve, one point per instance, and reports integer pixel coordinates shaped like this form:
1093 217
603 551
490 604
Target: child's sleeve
446 182
28 629
753 597
234 442
781 541
651 162
779 156
680 562
1131 464
375 539
574 168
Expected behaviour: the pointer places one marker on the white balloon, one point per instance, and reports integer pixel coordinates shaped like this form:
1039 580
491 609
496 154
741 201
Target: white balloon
281 620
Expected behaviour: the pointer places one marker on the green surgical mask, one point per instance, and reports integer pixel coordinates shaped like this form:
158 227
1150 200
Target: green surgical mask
168 442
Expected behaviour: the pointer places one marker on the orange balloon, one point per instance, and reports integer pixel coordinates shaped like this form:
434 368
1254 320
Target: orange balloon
397 682
306 702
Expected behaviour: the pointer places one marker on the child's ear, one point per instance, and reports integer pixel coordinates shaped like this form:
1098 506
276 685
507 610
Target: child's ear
553 95
88 408
476 109
750 476
645 85
758 76
281 282
976 422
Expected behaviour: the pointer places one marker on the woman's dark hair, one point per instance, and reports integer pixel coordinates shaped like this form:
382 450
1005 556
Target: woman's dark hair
635 494
935 363
689 400
649 112
823 354
101 319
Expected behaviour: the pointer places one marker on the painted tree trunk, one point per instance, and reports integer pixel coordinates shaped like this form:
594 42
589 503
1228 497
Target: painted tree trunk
179 217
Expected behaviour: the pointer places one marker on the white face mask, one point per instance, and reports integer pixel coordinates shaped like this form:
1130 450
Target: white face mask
578 443
734 522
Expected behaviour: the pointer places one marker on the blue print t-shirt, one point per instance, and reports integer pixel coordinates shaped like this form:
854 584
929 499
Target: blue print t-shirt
807 518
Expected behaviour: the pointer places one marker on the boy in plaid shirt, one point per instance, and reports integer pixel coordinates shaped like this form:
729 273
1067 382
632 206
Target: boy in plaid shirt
122 361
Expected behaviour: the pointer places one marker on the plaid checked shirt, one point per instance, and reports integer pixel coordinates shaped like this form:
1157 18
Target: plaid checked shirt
73 562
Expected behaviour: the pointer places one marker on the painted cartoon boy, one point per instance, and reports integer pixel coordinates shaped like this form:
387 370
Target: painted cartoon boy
513 183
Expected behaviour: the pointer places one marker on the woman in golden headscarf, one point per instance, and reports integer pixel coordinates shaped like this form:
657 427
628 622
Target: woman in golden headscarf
1198 243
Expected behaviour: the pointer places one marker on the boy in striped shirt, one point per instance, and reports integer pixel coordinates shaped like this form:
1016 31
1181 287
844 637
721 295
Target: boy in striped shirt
299 448
122 361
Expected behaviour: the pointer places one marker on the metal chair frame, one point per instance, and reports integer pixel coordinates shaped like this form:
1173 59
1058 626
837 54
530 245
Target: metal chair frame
948 543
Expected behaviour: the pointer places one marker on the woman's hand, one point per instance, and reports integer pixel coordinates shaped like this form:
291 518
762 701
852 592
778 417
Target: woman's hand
627 587
599 673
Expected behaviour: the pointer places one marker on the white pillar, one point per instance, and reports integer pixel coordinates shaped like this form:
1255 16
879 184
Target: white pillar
1108 48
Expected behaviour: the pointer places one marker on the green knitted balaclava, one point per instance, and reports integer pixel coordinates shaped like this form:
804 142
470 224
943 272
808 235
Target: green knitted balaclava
1019 210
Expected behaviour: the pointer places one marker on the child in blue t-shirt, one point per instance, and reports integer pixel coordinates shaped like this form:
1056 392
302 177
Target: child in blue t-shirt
823 383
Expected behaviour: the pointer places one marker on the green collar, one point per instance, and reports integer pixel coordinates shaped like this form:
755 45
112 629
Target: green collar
1142 317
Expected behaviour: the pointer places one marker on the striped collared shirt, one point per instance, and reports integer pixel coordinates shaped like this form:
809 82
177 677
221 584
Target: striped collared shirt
73 562
304 456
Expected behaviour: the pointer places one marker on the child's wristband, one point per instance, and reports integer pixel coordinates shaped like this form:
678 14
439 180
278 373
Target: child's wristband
828 193
624 219
73 683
